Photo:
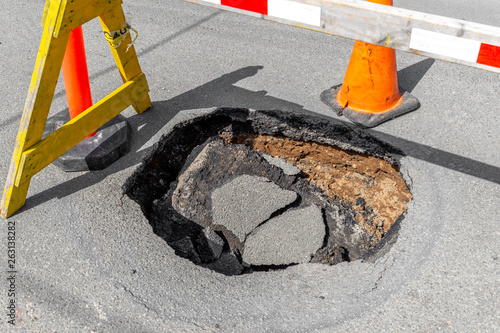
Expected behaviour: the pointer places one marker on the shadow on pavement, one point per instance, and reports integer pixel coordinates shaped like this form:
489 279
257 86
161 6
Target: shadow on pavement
149 49
222 92
17 117
409 77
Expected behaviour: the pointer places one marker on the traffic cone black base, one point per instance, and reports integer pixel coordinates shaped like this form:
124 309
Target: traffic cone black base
407 104
111 142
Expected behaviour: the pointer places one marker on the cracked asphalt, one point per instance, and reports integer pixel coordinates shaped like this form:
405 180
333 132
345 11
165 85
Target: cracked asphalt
88 261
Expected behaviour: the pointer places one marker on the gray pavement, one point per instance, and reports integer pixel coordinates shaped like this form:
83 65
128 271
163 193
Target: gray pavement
88 261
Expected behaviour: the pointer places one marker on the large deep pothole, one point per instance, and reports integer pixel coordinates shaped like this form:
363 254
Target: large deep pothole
237 190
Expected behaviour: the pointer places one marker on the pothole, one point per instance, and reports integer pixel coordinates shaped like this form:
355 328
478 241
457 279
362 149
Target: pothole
238 191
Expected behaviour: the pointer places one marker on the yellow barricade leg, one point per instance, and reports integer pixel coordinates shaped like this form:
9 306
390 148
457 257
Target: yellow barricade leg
31 154
125 57
36 110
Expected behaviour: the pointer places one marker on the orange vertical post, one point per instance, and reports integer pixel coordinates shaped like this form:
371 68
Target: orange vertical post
76 76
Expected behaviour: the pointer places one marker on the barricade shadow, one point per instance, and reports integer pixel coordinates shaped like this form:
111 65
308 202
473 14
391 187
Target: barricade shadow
169 38
409 77
222 92
149 49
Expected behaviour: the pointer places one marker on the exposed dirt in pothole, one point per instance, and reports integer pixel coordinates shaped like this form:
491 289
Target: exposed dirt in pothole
372 186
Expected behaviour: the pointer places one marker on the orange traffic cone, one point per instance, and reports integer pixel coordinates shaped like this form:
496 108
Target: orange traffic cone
370 94
106 145
76 75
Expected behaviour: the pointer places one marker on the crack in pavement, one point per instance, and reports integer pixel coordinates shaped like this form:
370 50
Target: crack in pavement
136 299
381 275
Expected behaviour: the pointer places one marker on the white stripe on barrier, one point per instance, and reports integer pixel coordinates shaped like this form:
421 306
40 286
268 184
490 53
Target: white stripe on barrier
295 11
445 45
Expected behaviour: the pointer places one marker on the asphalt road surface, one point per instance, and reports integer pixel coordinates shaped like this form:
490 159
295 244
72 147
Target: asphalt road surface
88 261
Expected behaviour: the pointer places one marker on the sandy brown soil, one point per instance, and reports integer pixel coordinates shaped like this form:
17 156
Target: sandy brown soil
372 186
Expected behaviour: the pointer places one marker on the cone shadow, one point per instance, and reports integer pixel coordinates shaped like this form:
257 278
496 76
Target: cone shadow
410 76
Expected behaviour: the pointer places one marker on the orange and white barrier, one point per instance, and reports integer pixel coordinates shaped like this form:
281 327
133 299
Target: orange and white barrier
281 9
466 43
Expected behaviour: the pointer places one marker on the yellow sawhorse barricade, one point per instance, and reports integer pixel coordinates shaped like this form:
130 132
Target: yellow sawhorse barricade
31 153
